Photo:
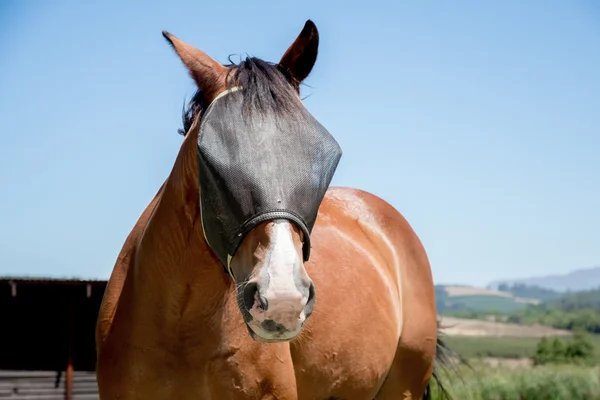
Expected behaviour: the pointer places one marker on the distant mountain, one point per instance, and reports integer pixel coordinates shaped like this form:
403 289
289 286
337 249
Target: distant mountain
578 280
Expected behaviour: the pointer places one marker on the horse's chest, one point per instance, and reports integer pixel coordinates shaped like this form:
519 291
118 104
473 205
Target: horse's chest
255 374
352 371
282 380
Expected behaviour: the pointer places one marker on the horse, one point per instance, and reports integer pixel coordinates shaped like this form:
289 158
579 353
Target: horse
354 320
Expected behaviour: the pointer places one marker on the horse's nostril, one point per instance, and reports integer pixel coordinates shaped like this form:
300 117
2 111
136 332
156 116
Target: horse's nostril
249 293
311 293
264 303
310 303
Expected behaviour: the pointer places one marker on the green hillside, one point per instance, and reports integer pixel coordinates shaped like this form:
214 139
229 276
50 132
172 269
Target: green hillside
483 303
529 291
470 302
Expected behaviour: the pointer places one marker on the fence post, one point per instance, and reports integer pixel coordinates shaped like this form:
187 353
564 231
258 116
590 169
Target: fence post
69 374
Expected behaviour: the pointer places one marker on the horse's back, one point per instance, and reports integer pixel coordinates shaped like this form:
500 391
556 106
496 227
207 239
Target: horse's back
374 326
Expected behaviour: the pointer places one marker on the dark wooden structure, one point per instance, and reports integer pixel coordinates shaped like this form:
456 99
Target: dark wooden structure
47 326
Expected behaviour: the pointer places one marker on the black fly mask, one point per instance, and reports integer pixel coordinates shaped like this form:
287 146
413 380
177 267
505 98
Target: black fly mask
260 167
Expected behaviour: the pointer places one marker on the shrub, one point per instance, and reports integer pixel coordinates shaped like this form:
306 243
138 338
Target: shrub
577 349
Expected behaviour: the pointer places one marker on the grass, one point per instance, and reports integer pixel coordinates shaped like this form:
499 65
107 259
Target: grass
537 383
477 347
520 382
501 347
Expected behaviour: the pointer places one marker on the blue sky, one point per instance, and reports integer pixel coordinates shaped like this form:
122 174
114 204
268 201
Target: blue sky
479 121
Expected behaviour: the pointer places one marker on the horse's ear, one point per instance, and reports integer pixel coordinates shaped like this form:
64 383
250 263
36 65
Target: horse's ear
300 57
208 74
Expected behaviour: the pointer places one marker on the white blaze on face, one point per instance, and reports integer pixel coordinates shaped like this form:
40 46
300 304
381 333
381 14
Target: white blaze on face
282 278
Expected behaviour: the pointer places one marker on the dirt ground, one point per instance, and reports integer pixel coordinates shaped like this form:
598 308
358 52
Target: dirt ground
471 327
508 362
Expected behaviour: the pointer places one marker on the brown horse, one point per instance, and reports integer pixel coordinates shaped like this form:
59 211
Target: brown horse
356 321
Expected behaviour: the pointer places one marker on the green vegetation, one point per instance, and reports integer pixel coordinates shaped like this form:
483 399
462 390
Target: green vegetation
487 303
441 298
575 350
584 300
561 367
574 311
548 382
477 347
529 291
476 304
571 311
508 347
482 315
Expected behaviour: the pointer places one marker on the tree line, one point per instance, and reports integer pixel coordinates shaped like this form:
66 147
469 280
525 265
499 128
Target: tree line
572 311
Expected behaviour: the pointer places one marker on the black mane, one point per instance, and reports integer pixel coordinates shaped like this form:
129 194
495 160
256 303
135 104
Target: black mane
266 87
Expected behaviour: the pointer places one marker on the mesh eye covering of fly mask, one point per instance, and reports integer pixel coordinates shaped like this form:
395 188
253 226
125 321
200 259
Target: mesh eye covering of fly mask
260 167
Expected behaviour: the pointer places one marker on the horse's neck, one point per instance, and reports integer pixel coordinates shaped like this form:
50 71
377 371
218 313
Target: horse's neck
176 279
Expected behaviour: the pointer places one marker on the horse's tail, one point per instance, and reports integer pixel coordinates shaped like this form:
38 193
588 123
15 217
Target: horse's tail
444 359
441 360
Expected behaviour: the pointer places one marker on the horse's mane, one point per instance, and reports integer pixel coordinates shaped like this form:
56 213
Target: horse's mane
266 87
